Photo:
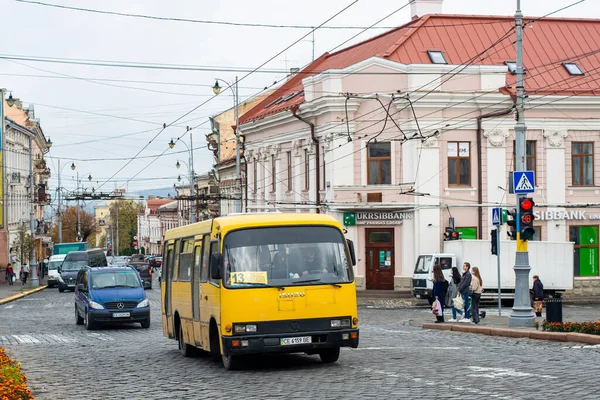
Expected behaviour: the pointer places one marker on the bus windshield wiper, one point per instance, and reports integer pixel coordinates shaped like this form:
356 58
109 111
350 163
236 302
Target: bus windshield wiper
316 280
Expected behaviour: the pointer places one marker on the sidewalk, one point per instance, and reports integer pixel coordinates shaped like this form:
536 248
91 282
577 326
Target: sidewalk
9 293
494 325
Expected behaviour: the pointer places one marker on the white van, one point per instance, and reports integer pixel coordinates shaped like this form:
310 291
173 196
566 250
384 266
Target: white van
423 275
53 263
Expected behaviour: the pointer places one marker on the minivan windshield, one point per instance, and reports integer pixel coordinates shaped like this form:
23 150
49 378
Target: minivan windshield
72 265
423 264
115 279
282 256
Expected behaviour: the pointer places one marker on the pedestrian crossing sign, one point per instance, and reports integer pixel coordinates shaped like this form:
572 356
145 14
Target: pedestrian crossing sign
496 216
523 182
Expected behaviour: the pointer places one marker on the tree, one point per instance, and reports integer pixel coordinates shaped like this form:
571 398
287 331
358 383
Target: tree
89 228
22 246
127 213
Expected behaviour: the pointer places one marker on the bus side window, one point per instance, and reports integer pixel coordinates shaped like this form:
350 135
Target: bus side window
168 265
205 258
176 251
214 249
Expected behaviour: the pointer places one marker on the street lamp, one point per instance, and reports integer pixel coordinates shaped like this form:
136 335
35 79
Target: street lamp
171 144
73 167
177 165
238 173
179 178
90 177
10 101
48 143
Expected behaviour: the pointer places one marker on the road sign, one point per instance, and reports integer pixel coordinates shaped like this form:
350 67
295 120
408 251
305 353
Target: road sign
109 243
135 237
523 182
496 216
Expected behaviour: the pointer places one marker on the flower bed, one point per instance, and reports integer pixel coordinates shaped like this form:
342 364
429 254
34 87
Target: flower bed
13 384
591 328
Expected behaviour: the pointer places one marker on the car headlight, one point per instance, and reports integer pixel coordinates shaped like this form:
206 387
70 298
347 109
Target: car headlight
143 303
96 306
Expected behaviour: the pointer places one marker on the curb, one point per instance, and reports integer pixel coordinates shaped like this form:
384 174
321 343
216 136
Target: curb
21 295
515 333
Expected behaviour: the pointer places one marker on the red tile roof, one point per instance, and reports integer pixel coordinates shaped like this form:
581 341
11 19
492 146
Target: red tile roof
154 204
547 43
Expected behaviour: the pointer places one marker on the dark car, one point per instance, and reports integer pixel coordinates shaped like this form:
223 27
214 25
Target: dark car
156 262
145 272
76 260
110 295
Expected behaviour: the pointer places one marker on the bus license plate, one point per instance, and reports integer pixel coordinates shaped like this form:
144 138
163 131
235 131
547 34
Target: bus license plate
295 340
120 314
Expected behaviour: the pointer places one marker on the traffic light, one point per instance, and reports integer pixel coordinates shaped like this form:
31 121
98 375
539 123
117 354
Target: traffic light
526 210
512 224
494 235
451 234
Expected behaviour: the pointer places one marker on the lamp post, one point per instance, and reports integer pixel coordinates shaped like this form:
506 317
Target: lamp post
238 173
3 215
60 199
190 172
79 236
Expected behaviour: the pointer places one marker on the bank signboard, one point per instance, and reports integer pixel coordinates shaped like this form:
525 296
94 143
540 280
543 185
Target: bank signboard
376 217
566 215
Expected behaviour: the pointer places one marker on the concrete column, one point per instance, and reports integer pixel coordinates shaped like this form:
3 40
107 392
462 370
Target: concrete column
556 182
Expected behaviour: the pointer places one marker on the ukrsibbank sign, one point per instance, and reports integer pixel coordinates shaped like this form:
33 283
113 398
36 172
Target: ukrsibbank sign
564 215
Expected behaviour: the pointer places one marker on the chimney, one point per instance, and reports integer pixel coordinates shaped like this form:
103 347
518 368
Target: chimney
419 8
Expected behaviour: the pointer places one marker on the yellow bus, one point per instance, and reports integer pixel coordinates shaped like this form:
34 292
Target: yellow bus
259 283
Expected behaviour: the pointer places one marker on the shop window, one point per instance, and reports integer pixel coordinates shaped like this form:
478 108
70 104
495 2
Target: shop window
468 233
530 157
379 163
459 163
289 171
582 163
380 237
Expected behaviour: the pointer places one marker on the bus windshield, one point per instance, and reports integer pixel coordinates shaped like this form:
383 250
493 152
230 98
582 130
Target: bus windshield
285 256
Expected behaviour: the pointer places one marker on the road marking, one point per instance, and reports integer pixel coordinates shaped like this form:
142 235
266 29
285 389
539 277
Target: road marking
67 304
49 305
407 348
376 328
587 346
486 372
25 339
428 382
100 336
10 306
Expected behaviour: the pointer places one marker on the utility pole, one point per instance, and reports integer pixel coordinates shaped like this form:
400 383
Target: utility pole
521 313
238 170
59 216
192 183
78 216
117 236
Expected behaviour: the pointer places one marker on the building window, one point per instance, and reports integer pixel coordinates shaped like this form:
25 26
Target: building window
306 170
459 163
255 173
323 184
289 171
573 68
379 163
436 57
530 157
582 163
273 174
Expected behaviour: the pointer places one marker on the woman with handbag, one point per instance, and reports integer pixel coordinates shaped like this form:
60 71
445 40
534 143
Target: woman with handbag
538 295
452 292
477 288
439 292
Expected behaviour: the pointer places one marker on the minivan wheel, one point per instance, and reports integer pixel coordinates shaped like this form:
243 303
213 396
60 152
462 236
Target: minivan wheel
146 323
89 324
186 349
78 319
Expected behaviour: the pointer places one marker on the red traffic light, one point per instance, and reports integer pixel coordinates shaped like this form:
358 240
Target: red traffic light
527 204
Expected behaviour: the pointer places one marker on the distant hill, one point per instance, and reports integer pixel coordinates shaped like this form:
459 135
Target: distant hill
161 192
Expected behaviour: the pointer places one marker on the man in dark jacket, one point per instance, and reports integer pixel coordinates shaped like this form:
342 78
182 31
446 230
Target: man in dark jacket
538 295
464 289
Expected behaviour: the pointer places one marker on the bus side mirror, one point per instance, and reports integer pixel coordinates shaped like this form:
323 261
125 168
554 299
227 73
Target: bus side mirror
352 252
215 266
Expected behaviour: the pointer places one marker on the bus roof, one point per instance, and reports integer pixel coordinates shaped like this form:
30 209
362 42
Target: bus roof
252 220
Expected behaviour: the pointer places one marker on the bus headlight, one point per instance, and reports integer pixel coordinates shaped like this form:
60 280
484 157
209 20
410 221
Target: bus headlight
340 323
238 328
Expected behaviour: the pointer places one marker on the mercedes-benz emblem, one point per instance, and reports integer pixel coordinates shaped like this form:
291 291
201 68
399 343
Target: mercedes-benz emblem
120 306
295 326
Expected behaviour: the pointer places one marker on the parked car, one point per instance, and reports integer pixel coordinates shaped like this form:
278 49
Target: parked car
54 263
156 262
110 295
145 273
76 260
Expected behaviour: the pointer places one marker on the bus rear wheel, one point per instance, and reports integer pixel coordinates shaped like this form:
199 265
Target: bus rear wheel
184 348
329 356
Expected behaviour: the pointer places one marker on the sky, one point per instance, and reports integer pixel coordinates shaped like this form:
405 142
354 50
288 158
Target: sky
110 114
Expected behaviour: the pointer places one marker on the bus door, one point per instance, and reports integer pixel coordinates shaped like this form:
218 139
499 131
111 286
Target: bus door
197 292
167 278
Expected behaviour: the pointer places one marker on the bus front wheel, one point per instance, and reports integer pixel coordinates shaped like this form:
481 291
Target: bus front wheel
231 362
329 356
186 349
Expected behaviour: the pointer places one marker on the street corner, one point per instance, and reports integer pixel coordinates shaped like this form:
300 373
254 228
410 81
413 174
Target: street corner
22 294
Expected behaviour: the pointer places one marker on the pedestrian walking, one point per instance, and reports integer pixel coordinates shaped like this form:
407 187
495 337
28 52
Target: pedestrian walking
10 274
464 290
25 271
452 292
439 291
538 295
477 289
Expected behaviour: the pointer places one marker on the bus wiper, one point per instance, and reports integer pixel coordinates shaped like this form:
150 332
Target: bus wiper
316 280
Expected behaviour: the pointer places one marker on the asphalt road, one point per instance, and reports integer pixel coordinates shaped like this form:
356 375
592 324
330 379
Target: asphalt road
394 361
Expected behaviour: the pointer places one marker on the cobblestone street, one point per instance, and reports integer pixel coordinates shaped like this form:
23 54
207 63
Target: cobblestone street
64 361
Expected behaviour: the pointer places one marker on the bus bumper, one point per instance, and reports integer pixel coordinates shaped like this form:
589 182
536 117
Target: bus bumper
273 343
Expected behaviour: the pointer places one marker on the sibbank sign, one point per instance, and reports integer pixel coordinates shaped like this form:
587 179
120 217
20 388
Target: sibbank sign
564 215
